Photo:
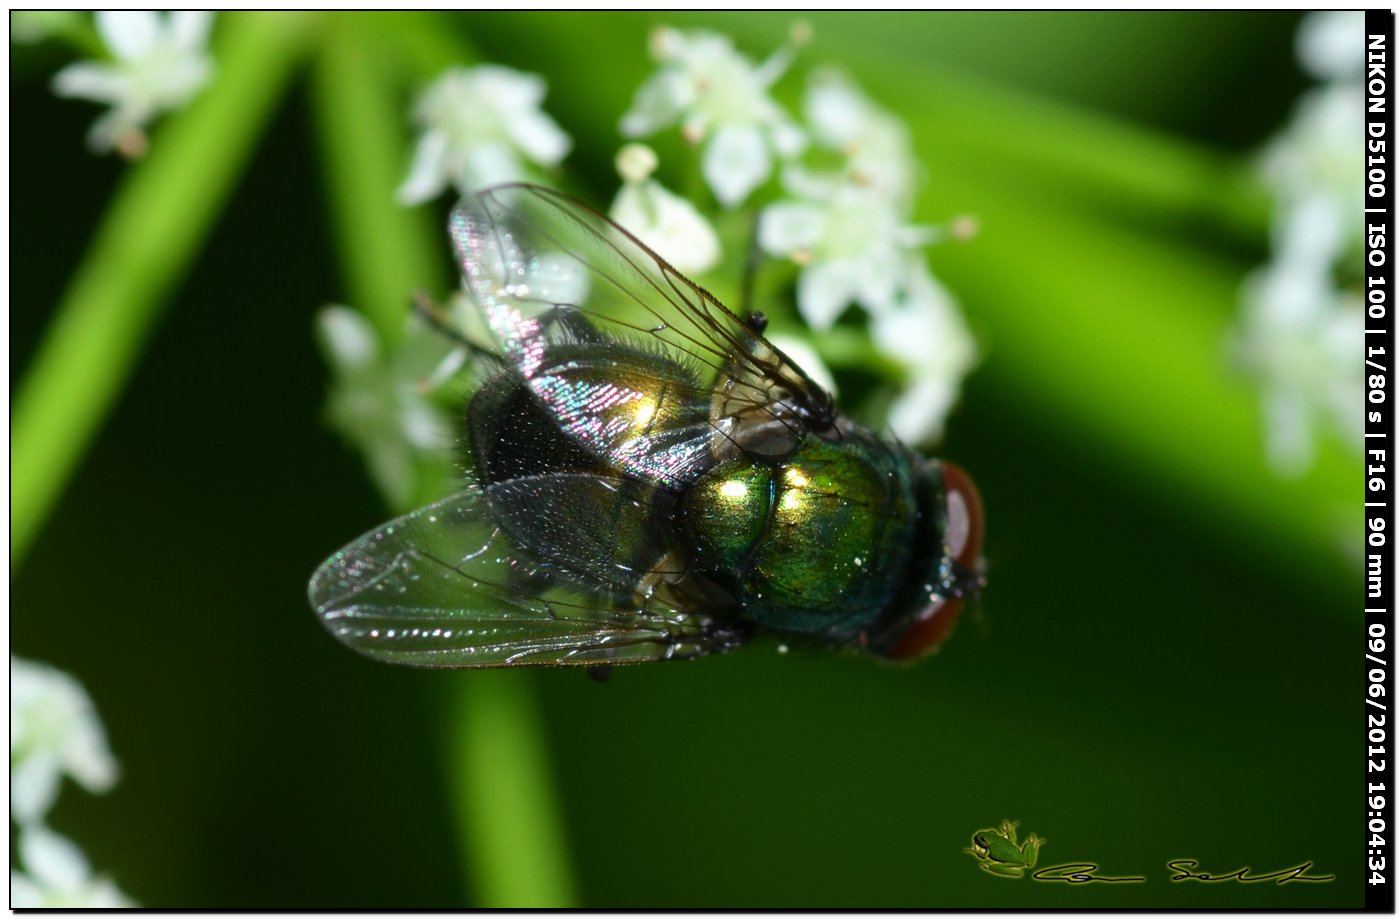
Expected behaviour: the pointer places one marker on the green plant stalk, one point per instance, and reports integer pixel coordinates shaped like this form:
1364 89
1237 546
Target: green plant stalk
515 841
78 31
387 250
146 241
507 817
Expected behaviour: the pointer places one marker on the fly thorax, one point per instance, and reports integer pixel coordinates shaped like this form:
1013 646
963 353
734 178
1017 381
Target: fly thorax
815 544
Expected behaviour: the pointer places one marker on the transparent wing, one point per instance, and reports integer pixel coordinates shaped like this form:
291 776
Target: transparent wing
553 277
447 586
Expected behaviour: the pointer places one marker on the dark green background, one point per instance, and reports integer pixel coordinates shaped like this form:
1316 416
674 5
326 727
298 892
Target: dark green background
1143 684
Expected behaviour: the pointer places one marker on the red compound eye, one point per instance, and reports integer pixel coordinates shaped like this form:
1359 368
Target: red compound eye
963 539
964 533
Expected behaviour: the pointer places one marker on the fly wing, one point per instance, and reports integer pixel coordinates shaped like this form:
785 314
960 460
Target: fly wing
555 278
449 586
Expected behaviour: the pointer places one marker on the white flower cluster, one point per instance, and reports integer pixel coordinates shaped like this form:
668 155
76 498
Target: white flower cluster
1302 330
669 224
54 731
380 400
848 227
158 64
477 125
721 99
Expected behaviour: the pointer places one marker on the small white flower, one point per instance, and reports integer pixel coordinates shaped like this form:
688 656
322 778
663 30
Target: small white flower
54 730
1300 336
380 403
159 64
720 98
848 226
1330 43
1315 154
874 143
1300 331
925 334
852 247
669 224
477 125
59 876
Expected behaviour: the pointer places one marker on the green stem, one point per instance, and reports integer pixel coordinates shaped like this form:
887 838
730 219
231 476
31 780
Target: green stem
515 845
386 249
76 29
508 820
147 239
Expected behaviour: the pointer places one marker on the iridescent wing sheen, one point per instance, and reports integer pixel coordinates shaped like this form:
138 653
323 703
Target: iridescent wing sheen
449 586
679 378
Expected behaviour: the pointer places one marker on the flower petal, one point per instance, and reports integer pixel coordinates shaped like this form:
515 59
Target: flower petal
53 860
877 278
390 468
54 729
919 411
1290 431
486 165
88 760
477 124
59 875
427 176
925 332
189 29
669 224
538 136
788 139
790 226
347 338
1328 41
657 104
130 34
86 80
836 111
817 185
33 786
735 162
824 290
505 89
24 893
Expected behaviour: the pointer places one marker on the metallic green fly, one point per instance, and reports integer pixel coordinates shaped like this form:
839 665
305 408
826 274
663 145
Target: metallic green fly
649 479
